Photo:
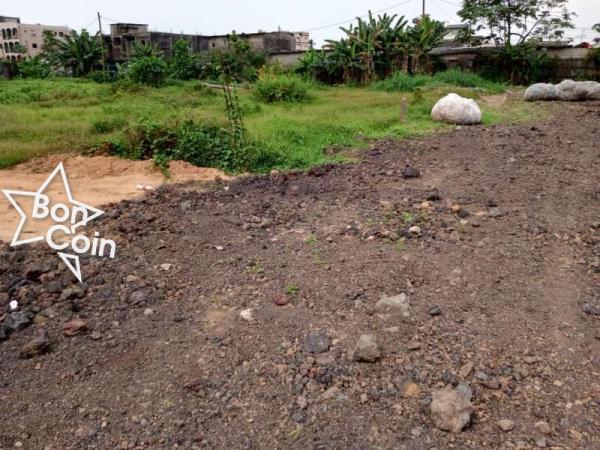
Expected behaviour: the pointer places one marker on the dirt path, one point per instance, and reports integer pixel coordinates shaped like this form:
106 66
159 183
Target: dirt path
229 318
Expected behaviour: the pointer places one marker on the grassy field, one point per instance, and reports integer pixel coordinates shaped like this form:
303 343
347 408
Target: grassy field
68 115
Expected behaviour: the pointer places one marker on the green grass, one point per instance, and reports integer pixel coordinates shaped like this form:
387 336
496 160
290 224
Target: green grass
402 82
66 115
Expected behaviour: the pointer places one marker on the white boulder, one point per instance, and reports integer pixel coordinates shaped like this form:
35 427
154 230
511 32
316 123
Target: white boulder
567 90
541 91
571 91
456 109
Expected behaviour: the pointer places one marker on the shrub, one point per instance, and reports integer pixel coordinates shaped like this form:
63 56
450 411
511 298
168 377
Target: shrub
402 82
183 65
150 70
33 68
199 144
282 88
108 125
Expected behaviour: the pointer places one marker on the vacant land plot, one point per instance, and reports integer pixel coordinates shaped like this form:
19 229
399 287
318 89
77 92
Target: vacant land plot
229 319
41 117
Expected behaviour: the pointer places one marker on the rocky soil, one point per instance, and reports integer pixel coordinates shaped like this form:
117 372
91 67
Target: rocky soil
441 293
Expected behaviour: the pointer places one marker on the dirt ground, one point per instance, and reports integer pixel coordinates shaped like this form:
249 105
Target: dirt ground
95 181
229 318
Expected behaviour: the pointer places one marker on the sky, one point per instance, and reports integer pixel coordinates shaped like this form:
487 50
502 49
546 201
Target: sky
322 19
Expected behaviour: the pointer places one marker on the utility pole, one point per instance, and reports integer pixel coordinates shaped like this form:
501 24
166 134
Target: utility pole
423 8
102 44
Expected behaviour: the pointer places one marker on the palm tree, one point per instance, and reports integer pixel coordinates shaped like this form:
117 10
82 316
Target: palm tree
79 53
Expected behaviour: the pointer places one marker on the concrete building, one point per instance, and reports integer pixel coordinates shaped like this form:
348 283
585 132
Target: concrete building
122 37
19 40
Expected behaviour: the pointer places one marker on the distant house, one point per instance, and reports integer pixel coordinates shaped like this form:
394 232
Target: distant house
19 40
452 36
123 36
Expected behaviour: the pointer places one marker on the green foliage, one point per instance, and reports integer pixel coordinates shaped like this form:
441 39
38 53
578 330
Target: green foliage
520 64
78 53
402 82
33 68
200 144
108 125
375 48
149 70
509 22
282 88
183 65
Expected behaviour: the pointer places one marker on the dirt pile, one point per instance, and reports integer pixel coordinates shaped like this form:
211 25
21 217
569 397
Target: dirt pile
97 180
233 318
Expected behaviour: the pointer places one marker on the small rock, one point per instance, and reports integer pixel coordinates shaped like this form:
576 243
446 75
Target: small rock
592 310
19 320
411 172
466 370
39 345
13 305
281 299
95 336
302 402
166 267
449 410
434 311
543 427
247 315
415 230
413 346
397 302
494 212
148 312
71 292
506 425
367 349
317 342
75 327
463 213
266 223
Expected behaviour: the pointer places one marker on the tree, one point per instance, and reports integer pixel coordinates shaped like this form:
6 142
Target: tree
77 53
509 22
596 28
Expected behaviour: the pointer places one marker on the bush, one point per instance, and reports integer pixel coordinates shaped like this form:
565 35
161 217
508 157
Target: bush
150 70
108 125
199 144
402 82
183 65
282 88
33 68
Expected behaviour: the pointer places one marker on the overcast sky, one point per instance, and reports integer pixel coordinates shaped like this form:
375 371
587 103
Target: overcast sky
220 17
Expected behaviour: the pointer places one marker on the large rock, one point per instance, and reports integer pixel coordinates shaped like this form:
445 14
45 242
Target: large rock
572 91
450 411
567 90
541 91
456 109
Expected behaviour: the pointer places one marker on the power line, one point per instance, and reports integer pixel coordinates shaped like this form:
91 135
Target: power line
361 17
444 13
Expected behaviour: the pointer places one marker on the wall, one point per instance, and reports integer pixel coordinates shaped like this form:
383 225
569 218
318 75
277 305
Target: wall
569 62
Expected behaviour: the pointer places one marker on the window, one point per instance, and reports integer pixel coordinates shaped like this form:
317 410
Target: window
61 34
33 45
8 34
6 47
14 32
3 33
11 47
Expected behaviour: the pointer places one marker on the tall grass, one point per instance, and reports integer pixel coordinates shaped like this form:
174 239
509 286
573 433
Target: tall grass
402 82
77 116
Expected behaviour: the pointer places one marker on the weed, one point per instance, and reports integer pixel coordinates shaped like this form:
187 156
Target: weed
400 245
291 289
311 239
